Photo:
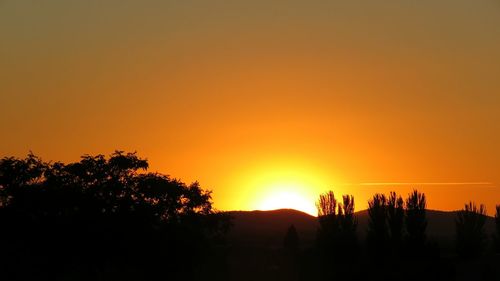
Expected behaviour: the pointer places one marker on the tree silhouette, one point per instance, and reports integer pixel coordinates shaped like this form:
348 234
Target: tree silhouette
337 232
291 241
470 234
416 222
348 221
348 241
395 220
377 235
497 228
327 204
328 217
107 217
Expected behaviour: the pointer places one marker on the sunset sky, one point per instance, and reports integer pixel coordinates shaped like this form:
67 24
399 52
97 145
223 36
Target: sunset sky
267 103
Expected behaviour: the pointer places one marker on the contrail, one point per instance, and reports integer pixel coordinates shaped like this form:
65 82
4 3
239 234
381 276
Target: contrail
424 183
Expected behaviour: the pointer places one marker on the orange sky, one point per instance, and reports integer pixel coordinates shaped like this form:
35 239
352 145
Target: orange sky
267 103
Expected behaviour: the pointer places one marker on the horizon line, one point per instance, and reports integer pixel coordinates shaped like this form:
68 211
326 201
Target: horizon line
356 211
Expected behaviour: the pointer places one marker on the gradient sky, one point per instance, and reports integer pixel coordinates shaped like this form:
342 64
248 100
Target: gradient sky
267 103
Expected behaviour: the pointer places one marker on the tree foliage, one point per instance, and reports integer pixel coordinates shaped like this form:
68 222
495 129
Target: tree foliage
394 223
395 216
497 229
108 214
378 234
348 221
416 222
395 220
470 233
327 205
337 227
328 218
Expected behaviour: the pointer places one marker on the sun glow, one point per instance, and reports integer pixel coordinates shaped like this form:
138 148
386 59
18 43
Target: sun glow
284 199
293 184
279 182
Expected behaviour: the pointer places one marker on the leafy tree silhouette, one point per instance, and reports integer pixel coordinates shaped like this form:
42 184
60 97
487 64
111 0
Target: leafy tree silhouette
377 236
102 218
416 223
470 233
395 220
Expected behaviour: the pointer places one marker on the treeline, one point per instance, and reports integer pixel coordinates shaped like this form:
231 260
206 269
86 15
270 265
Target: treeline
398 226
103 218
395 244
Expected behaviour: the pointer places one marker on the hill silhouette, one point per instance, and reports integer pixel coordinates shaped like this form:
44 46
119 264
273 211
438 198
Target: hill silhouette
267 228
256 248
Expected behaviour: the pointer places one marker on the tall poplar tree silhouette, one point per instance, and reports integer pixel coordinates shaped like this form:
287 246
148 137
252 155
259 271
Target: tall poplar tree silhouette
337 238
395 220
416 223
378 235
470 233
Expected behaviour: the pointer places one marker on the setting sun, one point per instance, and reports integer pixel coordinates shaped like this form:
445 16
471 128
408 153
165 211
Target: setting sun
280 184
285 199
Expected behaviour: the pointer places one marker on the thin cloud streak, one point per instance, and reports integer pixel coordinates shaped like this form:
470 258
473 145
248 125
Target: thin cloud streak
425 183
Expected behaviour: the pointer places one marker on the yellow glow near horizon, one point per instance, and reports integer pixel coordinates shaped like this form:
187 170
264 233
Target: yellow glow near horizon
284 199
294 185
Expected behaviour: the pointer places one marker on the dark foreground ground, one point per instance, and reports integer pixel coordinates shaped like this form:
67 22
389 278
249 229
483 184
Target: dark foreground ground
254 250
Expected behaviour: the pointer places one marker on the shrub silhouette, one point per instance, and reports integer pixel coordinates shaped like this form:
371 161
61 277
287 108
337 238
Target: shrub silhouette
470 234
377 236
102 218
416 223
